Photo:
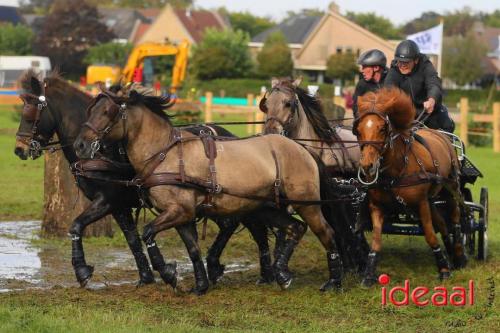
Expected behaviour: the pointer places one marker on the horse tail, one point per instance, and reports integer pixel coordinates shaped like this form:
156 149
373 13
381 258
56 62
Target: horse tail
340 217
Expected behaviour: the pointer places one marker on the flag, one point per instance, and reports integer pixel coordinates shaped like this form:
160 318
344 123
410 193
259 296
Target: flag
429 41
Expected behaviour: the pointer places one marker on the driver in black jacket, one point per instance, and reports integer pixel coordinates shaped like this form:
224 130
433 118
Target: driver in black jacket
414 73
373 71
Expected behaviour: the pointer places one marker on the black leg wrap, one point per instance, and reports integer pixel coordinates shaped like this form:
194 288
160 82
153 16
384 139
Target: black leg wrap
448 244
459 260
200 276
215 269
335 269
362 250
442 263
83 271
282 274
370 276
145 274
168 272
266 269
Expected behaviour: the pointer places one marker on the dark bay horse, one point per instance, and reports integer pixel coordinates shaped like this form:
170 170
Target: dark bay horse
407 168
186 175
291 111
63 111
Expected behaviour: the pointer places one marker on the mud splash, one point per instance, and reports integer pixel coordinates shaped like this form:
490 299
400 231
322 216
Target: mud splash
40 265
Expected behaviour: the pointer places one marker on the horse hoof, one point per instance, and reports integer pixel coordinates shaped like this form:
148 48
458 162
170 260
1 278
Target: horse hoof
332 284
444 275
84 274
215 271
265 280
286 284
146 278
169 274
368 282
460 262
284 279
198 291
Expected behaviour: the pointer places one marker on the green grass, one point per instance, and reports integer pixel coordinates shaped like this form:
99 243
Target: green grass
21 181
237 304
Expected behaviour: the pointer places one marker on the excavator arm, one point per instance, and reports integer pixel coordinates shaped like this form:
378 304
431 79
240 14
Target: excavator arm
142 51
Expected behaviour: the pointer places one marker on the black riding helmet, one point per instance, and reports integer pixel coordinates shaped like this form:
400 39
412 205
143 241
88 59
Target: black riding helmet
406 50
372 58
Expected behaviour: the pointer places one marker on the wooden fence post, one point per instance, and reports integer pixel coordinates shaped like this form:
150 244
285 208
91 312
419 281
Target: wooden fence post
208 107
464 123
251 113
496 127
259 115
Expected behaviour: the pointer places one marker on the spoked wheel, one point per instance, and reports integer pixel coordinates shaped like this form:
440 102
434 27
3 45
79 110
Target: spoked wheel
482 239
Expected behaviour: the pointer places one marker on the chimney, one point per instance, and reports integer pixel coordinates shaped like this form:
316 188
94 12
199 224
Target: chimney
333 7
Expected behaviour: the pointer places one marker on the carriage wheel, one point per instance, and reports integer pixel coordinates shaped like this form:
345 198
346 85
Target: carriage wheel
482 239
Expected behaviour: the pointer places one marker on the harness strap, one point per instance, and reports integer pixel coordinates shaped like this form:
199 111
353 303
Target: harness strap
277 181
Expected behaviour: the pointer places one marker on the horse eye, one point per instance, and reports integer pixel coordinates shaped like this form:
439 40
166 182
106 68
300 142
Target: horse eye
288 104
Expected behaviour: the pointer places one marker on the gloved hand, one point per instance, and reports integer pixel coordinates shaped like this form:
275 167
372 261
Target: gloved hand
429 105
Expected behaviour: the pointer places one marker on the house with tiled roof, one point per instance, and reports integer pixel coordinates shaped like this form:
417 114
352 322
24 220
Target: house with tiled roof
313 40
177 25
490 36
9 14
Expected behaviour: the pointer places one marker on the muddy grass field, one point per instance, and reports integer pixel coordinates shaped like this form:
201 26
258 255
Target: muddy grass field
38 292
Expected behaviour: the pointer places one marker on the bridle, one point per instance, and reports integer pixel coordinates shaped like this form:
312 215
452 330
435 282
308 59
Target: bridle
33 112
115 112
380 146
294 105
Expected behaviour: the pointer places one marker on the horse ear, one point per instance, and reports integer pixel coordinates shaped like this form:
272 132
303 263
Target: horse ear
133 96
101 86
274 82
36 86
297 81
262 105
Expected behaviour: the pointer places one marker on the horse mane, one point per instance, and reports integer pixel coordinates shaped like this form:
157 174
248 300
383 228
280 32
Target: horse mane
53 81
137 95
393 102
313 109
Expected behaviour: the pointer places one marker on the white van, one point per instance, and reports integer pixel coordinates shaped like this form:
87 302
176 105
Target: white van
11 68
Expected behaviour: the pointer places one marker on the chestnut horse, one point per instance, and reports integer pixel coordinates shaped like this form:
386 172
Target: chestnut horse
406 168
186 176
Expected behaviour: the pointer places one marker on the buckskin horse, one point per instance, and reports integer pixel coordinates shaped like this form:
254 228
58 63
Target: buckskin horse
405 167
292 112
62 110
185 175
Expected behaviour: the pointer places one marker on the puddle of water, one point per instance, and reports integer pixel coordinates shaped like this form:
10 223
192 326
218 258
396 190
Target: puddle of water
19 260
25 266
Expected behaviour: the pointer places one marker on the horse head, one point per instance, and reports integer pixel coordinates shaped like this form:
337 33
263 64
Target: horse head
108 116
381 115
281 106
36 126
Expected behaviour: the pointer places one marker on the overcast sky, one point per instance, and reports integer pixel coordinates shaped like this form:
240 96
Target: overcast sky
398 11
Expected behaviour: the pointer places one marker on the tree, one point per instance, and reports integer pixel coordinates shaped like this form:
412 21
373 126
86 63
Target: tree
68 32
108 53
248 22
377 24
341 66
275 58
493 19
304 12
425 21
222 54
15 40
462 59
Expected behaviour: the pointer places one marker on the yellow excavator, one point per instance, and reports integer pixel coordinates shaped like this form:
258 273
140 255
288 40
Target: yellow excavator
133 69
